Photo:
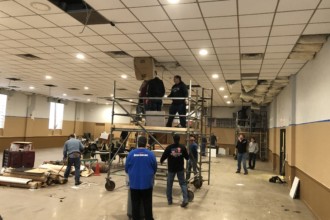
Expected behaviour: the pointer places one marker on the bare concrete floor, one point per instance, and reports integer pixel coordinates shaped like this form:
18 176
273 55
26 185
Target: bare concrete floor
230 196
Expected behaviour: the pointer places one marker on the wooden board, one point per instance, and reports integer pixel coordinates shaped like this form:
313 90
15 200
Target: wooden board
153 129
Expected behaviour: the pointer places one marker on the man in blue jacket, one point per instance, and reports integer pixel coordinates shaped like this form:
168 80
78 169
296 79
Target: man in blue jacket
141 166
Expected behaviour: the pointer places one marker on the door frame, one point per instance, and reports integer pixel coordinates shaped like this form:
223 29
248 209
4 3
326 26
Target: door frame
282 151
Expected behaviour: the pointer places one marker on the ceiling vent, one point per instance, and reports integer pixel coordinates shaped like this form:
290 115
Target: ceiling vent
50 85
252 56
118 54
88 94
81 11
121 89
28 56
73 89
14 79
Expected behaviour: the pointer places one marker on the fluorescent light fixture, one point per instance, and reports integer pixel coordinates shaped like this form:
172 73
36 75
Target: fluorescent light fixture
215 76
48 77
239 184
64 94
225 96
124 76
31 87
86 88
228 102
80 56
88 100
222 89
173 1
203 52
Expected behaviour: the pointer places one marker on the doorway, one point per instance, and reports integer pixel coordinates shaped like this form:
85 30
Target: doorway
282 151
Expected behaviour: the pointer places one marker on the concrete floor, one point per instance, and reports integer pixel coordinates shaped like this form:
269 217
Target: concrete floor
229 196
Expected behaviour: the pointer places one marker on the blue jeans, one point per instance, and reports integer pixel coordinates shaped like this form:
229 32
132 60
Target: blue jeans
191 164
177 108
155 105
76 163
182 182
241 158
203 149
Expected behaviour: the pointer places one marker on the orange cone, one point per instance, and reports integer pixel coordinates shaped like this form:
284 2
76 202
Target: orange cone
97 170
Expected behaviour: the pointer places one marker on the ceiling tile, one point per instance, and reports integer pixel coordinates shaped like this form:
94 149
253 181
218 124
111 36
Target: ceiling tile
256 6
67 49
87 48
140 3
104 29
13 23
276 55
321 15
101 4
94 40
168 36
219 8
62 19
142 38
221 22
280 49
151 46
283 40
180 52
118 15
325 4
175 45
185 58
13 34
210 55
107 47
159 26
195 35
56 32
253 41
321 28
72 41
14 9
272 66
273 61
230 63
226 42
189 24
155 53
224 33
228 56
118 39
253 49
295 17
255 32
13 43
32 43
127 47
287 30
256 20
199 43
150 13
36 21
227 50
138 53
181 11
132 28
251 62
293 5
33 33
80 31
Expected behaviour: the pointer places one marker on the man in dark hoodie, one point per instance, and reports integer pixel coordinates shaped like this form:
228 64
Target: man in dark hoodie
155 89
179 90
175 155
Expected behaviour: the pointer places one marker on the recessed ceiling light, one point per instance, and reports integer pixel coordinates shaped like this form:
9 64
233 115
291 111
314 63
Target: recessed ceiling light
48 77
228 102
80 56
222 89
203 52
111 95
64 94
31 87
131 100
86 88
225 96
215 76
88 100
40 6
124 76
173 1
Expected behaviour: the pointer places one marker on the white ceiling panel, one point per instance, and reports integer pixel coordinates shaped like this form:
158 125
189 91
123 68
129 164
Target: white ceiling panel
104 29
189 24
155 53
86 48
293 5
195 35
256 6
221 22
226 42
56 32
118 39
62 19
276 55
36 21
199 43
168 36
175 45
279 49
159 26
321 28
321 15
132 28
283 40
142 38
13 23
72 41
219 8
294 17
118 15
227 50
256 20
107 47
14 9
151 46
80 31
251 62
325 4
287 30
33 33
13 43
224 33
228 56
253 49
255 32
273 61
182 11
150 13
94 40
128 47
181 52
15 35
138 53
140 3
255 41
32 43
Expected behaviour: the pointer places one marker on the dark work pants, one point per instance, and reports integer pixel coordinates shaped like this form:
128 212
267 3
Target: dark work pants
76 163
177 108
155 105
144 196
252 160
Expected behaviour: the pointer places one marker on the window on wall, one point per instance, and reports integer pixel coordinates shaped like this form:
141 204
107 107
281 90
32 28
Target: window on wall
3 105
56 115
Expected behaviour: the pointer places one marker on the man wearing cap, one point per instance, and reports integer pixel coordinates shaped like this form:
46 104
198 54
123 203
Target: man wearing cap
141 166
175 155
